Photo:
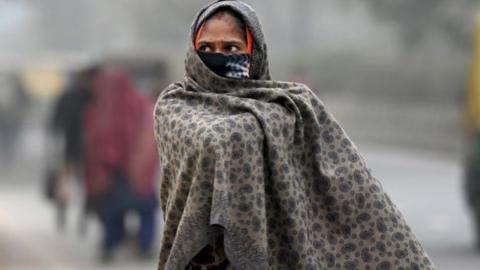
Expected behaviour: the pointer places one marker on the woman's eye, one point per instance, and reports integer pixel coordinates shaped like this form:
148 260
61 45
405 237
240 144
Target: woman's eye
232 48
205 48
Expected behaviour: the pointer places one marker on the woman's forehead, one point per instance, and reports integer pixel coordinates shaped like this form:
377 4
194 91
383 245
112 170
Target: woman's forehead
225 17
219 15
222 24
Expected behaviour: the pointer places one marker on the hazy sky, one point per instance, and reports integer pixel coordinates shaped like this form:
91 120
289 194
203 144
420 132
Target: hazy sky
103 25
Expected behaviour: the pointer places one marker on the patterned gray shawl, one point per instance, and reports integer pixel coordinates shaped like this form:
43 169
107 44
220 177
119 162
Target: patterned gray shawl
264 164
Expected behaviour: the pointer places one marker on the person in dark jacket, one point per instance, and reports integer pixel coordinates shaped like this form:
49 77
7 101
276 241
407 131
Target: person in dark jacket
66 142
68 114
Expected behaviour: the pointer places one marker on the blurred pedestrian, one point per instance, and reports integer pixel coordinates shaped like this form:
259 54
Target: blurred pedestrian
120 160
66 141
472 130
13 108
257 174
67 117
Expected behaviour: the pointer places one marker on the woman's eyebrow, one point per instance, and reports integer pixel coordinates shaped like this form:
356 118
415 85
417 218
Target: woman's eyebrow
233 42
225 40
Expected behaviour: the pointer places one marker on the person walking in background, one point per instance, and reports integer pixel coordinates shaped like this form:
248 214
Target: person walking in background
66 141
120 159
67 117
14 104
472 132
257 174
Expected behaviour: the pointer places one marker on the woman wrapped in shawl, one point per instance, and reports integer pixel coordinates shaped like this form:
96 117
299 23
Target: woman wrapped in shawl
257 174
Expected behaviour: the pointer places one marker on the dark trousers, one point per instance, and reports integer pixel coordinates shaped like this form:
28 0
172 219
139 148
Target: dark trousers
472 188
115 207
114 228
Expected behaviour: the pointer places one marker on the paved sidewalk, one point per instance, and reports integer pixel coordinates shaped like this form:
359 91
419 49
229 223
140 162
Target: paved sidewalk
29 239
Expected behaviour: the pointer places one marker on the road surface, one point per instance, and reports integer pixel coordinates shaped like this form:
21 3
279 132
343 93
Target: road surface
426 186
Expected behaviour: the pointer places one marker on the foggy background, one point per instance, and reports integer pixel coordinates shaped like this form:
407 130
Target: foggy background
393 72
403 60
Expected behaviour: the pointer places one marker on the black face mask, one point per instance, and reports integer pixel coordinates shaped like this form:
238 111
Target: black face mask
235 66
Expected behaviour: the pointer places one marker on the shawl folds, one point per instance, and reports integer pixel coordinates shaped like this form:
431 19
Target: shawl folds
264 164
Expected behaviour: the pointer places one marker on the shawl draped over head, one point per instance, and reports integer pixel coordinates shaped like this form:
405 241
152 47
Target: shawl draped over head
118 136
265 165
